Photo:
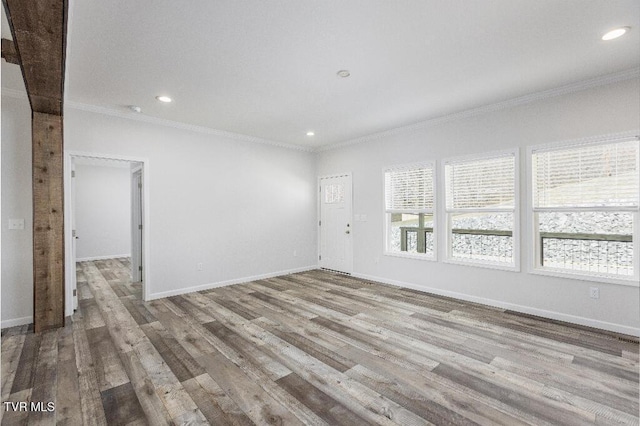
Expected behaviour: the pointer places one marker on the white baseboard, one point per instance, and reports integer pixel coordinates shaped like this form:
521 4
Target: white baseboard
603 325
111 256
16 321
193 289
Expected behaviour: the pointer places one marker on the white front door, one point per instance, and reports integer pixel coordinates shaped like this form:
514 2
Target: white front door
335 223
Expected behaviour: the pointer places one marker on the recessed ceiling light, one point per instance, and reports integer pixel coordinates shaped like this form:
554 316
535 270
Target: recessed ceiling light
310 133
343 73
165 99
618 32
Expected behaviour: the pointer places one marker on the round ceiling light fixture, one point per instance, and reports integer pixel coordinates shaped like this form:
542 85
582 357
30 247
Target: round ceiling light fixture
164 99
343 73
311 133
135 108
615 33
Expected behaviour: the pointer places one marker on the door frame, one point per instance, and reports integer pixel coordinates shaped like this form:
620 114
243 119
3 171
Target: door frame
319 216
70 267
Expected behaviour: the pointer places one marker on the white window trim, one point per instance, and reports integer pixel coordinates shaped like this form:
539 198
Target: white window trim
386 229
515 266
534 258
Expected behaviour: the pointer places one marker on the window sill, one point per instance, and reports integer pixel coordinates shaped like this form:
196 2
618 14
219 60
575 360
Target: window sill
629 282
480 264
410 256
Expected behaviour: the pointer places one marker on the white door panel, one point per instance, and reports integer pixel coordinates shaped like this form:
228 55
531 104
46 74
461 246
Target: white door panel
136 226
335 223
74 236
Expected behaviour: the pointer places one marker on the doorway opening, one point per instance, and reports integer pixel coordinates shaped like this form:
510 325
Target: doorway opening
106 221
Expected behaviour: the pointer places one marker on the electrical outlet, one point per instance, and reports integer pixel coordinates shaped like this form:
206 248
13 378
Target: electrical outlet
594 292
199 266
295 253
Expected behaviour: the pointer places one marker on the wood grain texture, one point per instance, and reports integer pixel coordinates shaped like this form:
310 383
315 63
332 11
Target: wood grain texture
12 344
312 348
48 222
9 52
39 31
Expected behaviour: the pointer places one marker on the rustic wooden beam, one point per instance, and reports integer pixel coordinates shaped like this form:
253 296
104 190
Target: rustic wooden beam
48 222
9 52
39 30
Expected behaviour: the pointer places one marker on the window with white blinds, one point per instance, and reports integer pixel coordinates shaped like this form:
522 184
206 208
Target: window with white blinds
603 175
409 204
481 200
409 189
485 183
585 209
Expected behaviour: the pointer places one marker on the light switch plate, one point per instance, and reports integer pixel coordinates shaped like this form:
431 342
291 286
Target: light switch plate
16 223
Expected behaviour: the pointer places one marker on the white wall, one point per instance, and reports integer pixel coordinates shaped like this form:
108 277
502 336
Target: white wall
103 211
17 255
603 110
240 208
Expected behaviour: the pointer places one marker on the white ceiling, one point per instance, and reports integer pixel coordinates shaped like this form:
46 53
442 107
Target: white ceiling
267 68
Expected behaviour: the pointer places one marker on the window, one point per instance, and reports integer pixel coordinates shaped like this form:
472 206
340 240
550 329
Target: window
409 199
334 193
481 206
585 209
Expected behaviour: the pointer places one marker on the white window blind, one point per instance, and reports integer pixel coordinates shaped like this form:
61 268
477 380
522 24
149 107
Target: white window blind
603 175
487 183
409 189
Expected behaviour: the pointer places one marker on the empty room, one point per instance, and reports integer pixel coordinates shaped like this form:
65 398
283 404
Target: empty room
412 212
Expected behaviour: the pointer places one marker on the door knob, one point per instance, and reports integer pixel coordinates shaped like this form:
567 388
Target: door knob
347 232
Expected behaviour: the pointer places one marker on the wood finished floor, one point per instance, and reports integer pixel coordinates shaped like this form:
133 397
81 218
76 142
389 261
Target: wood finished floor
311 348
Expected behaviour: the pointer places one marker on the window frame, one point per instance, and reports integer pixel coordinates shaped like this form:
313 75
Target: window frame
386 223
535 266
448 213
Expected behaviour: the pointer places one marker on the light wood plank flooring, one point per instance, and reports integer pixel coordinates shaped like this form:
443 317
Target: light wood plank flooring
311 348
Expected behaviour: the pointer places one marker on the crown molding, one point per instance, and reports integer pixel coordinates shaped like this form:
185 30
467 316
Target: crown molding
18 94
180 125
510 103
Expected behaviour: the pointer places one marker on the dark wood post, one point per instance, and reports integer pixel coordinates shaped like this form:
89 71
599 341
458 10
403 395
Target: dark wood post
39 32
48 222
